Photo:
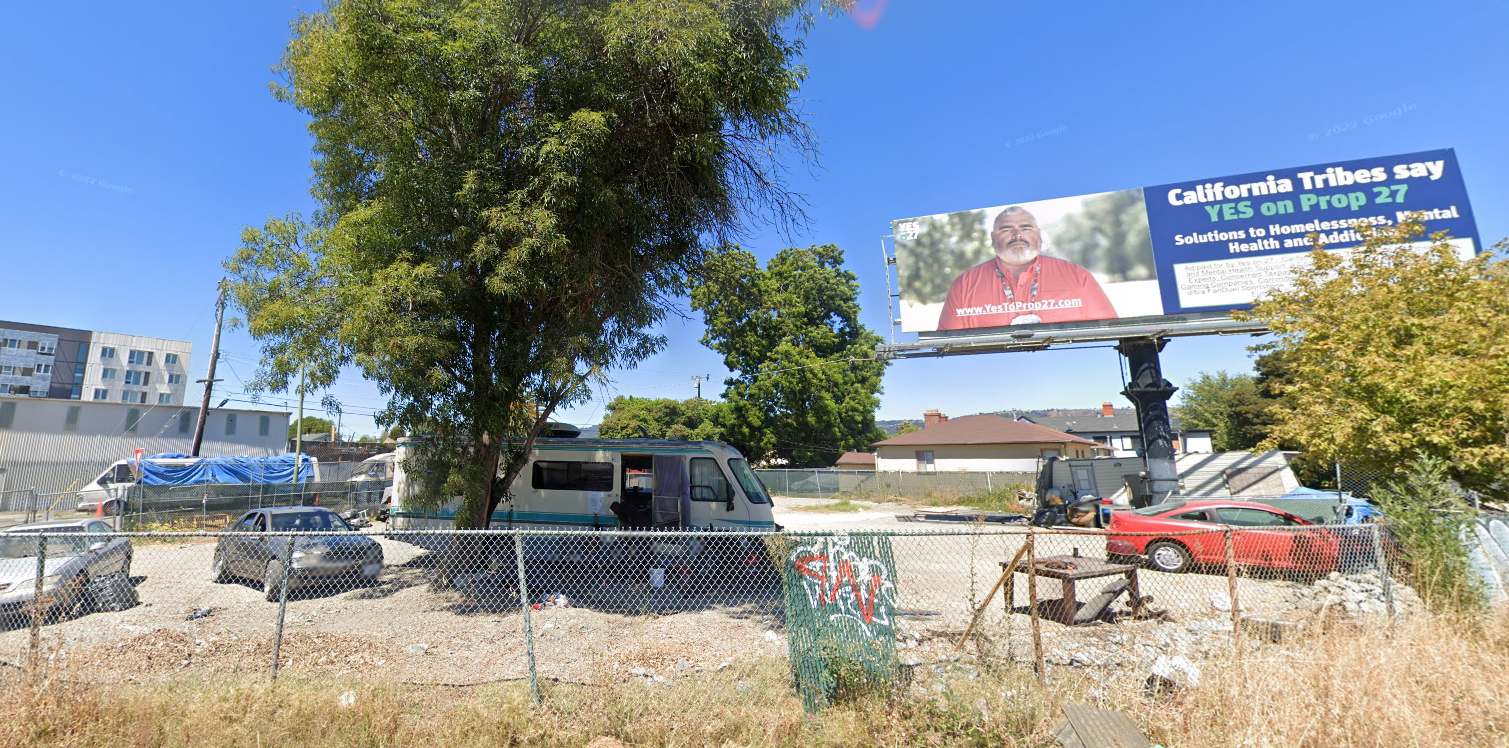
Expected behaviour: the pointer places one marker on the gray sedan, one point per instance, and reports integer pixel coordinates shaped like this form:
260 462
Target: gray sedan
78 553
252 550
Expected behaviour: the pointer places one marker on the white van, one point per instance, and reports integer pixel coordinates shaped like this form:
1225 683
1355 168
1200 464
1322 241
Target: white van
612 483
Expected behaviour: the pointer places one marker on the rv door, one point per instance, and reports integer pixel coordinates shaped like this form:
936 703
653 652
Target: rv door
672 491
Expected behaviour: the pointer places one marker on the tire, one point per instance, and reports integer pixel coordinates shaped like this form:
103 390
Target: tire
371 569
1169 556
272 581
220 572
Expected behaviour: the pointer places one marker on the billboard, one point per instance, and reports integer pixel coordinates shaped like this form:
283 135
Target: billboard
1212 245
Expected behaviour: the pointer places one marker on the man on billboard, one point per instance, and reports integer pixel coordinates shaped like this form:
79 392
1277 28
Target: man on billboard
1019 286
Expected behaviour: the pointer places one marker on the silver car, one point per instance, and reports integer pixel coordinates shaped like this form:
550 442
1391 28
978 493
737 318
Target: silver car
341 554
78 553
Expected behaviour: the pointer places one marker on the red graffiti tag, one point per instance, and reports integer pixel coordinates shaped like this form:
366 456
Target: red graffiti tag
844 574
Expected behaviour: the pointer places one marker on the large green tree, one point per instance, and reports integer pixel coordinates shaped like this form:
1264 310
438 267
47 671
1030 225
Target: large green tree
806 383
1230 406
1392 351
512 192
663 418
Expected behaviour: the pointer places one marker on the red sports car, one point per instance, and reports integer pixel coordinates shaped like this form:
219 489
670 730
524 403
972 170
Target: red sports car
1262 537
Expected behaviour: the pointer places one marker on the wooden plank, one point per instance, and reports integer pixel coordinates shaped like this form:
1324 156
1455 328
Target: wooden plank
1102 728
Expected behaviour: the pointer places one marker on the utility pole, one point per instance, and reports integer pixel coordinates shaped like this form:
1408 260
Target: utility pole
298 441
697 379
209 380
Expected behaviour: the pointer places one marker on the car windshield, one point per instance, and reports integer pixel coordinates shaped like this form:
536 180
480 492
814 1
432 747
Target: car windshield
308 522
61 541
751 484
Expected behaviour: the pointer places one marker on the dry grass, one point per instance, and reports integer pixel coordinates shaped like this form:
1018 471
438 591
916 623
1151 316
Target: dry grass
1429 682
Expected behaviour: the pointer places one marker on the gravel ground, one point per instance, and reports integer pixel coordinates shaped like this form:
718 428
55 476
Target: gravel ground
618 627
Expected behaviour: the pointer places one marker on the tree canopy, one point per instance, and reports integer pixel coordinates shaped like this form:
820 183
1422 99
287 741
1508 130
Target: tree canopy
512 193
1395 350
805 385
1228 405
663 418
312 425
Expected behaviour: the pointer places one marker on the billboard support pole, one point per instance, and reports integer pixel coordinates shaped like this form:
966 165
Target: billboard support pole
1149 391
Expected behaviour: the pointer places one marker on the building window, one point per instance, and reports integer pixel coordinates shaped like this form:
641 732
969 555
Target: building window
100 393
138 378
6 371
47 349
107 373
12 343
183 423
28 372
175 378
169 359
7 415
71 421
230 424
76 392
264 425
78 372
1046 453
44 368
164 398
83 352
925 462
133 418
139 358
107 352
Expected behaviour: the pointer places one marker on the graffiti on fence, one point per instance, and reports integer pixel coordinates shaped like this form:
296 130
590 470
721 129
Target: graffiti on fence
845 583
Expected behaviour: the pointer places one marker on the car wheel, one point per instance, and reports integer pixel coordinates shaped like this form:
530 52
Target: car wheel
219 571
371 568
272 581
1169 556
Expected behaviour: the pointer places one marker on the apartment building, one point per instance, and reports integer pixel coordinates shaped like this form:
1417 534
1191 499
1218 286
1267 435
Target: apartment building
60 363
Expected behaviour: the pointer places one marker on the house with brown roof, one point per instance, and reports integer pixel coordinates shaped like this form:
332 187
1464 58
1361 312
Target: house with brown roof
979 443
856 461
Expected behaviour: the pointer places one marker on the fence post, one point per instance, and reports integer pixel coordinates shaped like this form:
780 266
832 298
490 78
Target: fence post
988 489
534 681
277 638
1037 634
1385 576
1231 583
817 478
36 601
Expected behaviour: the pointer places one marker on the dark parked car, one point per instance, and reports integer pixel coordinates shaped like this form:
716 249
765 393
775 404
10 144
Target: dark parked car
79 553
343 555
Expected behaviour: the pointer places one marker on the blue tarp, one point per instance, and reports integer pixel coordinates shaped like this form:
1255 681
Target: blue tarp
224 470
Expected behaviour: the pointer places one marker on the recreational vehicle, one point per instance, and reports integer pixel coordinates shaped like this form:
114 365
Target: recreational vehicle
609 483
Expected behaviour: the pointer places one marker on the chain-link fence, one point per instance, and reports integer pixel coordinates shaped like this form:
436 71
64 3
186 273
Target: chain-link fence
722 620
880 485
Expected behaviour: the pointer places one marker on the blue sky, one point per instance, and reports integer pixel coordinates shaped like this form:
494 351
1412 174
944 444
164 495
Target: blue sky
142 138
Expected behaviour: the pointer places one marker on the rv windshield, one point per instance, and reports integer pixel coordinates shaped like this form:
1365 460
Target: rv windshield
752 486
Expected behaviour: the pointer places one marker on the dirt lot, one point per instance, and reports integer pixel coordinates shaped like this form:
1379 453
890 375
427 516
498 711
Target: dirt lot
619 627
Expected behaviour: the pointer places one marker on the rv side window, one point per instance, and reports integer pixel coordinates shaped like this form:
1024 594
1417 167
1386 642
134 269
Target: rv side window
572 476
707 477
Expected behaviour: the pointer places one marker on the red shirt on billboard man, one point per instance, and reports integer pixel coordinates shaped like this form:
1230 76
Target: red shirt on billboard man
1019 286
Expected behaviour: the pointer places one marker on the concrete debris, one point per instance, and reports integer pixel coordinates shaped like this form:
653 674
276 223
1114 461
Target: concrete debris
200 613
348 699
1170 673
1221 602
417 649
771 637
1355 595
